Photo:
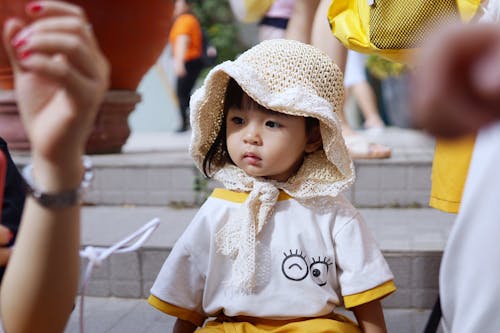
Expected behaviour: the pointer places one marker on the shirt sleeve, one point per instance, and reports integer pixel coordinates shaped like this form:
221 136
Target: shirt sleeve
178 288
363 271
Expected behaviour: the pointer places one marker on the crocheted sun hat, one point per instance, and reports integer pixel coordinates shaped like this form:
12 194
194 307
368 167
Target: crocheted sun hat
285 76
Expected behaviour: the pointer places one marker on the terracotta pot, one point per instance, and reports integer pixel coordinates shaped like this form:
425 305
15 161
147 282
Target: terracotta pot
131 33
110 131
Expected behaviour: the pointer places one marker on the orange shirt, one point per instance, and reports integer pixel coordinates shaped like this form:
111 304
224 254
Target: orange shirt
187 24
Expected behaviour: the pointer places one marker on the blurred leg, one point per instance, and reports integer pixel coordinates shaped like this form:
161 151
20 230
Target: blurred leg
300 24
323 38
367 101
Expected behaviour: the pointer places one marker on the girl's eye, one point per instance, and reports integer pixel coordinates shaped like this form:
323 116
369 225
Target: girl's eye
237 120
272 124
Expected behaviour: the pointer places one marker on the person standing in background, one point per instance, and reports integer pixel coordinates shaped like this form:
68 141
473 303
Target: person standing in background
186 39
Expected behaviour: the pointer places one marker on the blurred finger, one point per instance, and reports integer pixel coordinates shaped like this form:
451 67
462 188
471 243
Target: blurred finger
69 45
485 74
445 99
5 255
11 28
69 25
5 235
38 9
56 68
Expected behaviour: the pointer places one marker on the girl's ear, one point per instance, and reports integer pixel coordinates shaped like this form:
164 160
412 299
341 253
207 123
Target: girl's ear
314 140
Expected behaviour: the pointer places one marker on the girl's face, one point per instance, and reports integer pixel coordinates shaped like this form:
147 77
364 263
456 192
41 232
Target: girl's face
264 143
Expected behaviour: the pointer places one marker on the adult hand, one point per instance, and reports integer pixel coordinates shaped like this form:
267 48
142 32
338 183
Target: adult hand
456 89
60 79
60 76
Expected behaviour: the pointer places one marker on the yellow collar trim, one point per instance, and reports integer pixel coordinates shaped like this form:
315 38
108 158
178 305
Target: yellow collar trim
240 197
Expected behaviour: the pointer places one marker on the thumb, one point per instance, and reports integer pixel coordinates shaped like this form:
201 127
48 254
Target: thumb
11 28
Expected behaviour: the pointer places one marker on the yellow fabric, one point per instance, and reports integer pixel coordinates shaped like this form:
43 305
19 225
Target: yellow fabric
367 296
449 171
170 309
239 197
334 324
255 9
350 23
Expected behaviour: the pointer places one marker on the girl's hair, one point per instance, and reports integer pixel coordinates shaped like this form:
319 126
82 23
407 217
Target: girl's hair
217 155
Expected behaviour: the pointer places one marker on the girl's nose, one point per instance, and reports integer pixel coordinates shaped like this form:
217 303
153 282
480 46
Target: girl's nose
252 136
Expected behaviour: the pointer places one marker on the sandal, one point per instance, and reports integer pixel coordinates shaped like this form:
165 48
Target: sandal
360 148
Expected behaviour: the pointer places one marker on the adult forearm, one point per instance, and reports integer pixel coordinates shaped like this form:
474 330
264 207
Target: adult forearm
43 271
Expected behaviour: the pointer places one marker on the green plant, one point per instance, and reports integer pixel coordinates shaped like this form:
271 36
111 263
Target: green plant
200 188
218 21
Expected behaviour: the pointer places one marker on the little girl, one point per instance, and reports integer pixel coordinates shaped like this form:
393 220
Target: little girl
280 248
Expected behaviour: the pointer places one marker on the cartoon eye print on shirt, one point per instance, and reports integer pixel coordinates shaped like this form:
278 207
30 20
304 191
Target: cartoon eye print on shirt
294 266
319 270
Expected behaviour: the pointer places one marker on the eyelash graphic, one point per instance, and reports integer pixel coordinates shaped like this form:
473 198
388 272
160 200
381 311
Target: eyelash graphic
326 261
294 266
319 270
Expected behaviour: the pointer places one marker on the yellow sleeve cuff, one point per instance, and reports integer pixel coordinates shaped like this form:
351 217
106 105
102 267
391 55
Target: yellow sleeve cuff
181 313
369 295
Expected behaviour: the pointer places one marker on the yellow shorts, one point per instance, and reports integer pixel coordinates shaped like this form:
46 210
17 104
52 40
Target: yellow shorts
334 324
449 171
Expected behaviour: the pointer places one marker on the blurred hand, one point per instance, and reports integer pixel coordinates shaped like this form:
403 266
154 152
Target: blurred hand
60 77
456 88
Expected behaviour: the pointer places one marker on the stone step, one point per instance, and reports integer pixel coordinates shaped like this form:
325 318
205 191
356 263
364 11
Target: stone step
155 169
411 239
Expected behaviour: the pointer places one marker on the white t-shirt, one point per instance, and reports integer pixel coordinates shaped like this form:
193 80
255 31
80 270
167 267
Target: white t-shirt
470 271
309 262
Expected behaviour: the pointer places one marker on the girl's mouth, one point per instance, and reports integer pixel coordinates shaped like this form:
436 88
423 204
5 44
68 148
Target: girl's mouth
251 158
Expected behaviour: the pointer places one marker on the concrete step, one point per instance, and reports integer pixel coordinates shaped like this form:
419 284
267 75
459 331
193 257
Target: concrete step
411 239
155 169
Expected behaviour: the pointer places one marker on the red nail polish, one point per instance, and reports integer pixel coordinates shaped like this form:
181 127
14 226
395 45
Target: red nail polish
19 43
34 7
24 55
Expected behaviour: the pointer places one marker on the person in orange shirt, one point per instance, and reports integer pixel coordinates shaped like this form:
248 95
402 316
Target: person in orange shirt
187 45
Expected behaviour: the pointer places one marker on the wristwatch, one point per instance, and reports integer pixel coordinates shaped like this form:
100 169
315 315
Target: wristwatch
62 199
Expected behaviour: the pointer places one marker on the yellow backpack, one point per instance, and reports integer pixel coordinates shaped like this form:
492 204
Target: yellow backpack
393 28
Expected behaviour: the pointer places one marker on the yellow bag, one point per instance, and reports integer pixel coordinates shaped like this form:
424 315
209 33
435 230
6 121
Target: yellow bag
250 10
393 28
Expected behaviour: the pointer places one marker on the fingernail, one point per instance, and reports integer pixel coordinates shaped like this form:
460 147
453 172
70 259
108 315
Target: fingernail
11 236
34 7
21 37
19 42
24 55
